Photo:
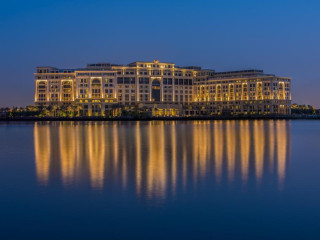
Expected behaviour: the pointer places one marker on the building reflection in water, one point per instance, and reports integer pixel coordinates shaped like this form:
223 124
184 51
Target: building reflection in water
42 149
244 149
161 158
259 147
218 141
68 153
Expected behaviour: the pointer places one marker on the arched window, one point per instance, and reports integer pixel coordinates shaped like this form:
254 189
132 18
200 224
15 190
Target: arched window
66 91
96 83
155 93
42 85
96 88
66 86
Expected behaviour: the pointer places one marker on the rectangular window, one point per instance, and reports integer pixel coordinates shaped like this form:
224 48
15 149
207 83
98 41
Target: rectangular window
120 80
126 80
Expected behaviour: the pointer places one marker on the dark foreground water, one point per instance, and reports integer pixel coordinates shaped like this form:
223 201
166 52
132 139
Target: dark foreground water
160 180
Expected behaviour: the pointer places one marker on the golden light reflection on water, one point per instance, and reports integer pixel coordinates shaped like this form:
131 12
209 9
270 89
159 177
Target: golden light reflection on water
282 143
231 148
156 164
258 131
138 158
173 158
161 158
68 158
96 154
42 148
201 145
244 149
271 145
218 148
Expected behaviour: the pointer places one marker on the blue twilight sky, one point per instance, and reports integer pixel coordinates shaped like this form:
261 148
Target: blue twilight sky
281 37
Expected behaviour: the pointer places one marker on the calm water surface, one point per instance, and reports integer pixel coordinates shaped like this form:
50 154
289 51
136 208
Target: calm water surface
160 180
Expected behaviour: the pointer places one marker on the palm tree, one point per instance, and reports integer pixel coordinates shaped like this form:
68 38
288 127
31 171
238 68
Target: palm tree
63 110
44 112
54 109
69 110
76 110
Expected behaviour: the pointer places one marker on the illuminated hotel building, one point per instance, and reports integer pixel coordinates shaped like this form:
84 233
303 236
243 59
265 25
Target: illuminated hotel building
163 89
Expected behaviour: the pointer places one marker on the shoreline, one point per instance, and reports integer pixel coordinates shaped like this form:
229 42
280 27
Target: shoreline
80 119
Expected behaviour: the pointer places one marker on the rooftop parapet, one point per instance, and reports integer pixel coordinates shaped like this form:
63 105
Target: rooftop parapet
241 73
99 66
53 70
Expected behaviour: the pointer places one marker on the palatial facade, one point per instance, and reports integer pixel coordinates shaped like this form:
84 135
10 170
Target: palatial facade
164 89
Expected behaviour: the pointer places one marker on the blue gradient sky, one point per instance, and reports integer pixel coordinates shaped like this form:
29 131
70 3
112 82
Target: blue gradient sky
281 37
